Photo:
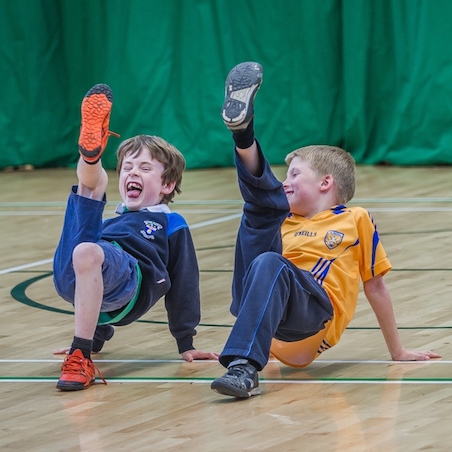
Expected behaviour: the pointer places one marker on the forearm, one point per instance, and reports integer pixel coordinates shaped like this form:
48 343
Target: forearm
380 300
390 332
381 303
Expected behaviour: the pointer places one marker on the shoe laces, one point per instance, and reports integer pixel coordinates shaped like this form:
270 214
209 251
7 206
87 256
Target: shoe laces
72 364
105 137
241 370
110 133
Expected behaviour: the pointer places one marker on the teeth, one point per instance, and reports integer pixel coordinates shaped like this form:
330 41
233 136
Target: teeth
133 186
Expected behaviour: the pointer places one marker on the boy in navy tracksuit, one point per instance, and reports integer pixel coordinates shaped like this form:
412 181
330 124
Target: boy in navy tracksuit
114 271
300 254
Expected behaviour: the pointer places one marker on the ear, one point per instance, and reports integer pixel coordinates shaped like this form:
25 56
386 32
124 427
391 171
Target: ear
326 183
168 188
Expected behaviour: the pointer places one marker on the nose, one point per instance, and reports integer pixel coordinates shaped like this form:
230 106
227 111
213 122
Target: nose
134 171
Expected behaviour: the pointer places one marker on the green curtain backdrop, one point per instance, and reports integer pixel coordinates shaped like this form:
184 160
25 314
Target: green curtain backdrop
372 76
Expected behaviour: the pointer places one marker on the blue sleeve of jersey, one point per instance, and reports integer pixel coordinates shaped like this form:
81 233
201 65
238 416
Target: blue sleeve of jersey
175 223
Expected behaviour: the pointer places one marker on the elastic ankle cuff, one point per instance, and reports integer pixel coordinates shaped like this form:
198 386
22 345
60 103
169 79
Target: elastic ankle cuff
91 163
237 361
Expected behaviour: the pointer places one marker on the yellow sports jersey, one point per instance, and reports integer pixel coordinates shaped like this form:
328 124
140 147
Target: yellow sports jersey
339 247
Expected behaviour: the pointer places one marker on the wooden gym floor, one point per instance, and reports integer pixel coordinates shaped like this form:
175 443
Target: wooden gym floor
353 398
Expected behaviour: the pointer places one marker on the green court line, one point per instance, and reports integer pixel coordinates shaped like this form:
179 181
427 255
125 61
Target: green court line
216 271
19 294
217 247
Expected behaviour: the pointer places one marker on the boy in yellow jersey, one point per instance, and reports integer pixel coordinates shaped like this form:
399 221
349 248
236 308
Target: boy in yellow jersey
300 253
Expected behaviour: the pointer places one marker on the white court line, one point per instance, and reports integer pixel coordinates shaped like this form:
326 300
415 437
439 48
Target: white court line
194 226
368 381
130 361
44 213
208 202
201 361
409 209
185 211
237 215
207 380
216 220
25 266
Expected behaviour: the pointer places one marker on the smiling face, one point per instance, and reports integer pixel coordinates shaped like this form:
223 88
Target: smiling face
308 192
302 187
140 180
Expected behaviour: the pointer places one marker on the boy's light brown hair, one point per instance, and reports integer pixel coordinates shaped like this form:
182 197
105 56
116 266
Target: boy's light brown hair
332 160
172 159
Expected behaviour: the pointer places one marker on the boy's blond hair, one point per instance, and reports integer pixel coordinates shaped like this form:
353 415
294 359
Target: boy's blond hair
172 159
332 160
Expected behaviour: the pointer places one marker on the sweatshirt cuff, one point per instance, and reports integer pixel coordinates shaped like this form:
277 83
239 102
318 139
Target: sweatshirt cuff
185 343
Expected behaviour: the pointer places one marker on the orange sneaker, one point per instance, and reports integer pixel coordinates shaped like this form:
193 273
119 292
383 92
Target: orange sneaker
94 133
77 372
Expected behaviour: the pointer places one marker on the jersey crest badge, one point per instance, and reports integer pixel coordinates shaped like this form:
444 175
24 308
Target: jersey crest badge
333 239
151 227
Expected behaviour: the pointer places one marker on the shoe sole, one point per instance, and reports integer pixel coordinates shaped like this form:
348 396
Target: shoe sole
72 386
232 391
241 85
96 109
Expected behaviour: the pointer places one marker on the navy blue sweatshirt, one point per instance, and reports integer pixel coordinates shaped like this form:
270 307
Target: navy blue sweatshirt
162 243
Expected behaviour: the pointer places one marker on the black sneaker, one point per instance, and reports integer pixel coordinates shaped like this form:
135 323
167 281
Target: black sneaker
242 84
240 381
103 333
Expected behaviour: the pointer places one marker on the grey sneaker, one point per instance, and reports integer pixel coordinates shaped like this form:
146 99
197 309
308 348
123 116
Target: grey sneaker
242 84
239 381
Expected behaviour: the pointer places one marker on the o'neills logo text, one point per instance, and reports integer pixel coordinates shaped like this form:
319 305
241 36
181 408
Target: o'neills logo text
306 233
